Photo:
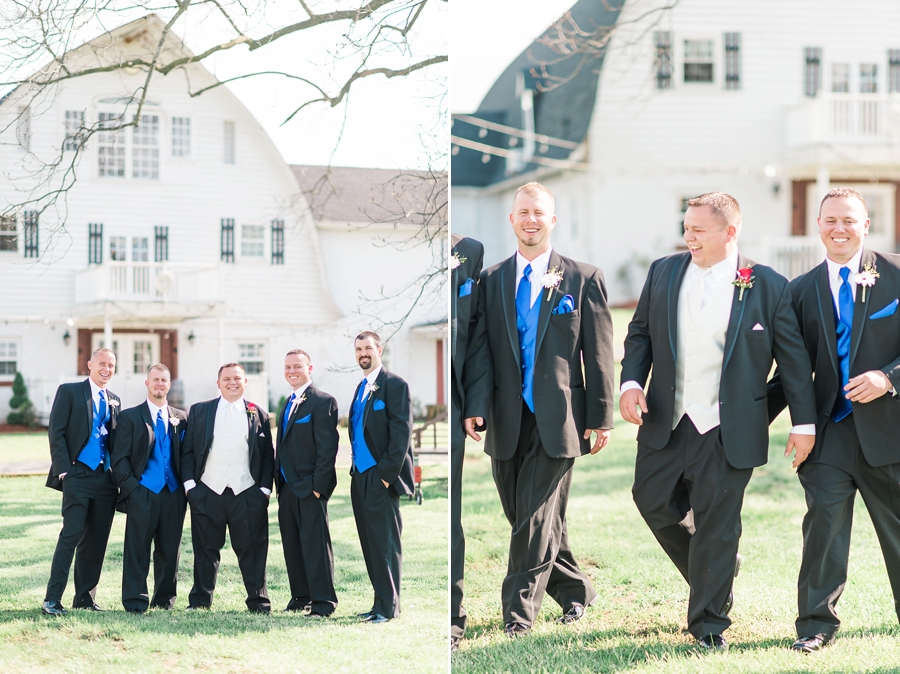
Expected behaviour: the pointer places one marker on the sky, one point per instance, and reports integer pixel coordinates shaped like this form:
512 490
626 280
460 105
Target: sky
486 36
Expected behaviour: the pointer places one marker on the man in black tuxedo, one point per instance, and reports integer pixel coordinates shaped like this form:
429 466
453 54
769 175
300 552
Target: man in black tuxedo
469 399
82 431
145 464
227 464
847 309
305 479
382 471
710 339
550 337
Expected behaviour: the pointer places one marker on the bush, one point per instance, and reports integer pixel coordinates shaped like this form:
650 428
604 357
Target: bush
22 413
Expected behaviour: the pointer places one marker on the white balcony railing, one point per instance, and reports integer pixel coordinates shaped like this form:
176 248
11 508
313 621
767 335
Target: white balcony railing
147 282
844 119
789 255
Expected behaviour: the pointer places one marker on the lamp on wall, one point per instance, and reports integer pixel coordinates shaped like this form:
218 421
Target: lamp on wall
191 338
67 338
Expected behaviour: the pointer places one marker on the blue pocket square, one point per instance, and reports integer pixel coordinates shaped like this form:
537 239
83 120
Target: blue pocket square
181 437
378 405
566 305
889 310
466 288
304 420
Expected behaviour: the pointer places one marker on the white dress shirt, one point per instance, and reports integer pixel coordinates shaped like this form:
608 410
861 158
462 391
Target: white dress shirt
95 398
369 380
154 410
835 280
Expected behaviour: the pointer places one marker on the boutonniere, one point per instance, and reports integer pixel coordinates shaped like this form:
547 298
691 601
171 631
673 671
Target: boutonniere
299 401
115 403
551 279
456 260
371 388
866 278
174 421
744 281
251 410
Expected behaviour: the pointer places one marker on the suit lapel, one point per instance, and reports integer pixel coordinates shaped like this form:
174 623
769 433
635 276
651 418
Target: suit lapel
737 313
678 271
88 402
150 422
210 424
369 401
825 302
253 422
547 299
508 300
296 411
860 308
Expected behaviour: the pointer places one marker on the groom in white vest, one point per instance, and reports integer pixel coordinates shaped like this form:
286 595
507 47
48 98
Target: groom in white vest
709 323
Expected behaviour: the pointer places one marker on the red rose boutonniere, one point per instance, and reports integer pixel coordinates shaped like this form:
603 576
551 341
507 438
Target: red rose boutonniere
251 410
744 280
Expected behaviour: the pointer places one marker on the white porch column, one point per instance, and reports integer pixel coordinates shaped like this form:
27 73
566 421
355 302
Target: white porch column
107 332
221 341
823 183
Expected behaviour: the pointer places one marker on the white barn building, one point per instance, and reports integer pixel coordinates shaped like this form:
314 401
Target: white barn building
770 101
189 240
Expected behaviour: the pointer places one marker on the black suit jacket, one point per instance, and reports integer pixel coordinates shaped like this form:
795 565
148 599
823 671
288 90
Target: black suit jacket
573 370
71 421
746 362
199 438
135 439
472 378
308 449
388 431
874 345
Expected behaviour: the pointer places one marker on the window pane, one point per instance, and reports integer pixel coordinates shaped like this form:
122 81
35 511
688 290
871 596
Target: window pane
252 240
868 78
117 249
9 240
140 249
74 126
181 136
840 78
145 160
111 154
143 352
698 60
229 143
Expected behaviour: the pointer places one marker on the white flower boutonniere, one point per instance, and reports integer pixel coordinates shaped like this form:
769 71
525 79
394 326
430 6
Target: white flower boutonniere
455 261
551 279
174 421
370 388
300 400
113 403
866 278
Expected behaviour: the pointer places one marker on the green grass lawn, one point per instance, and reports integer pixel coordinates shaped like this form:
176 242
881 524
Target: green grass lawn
227 639
638 622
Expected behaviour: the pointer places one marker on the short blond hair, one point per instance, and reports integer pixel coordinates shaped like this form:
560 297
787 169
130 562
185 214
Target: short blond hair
533 189
843 193
723 206
101 350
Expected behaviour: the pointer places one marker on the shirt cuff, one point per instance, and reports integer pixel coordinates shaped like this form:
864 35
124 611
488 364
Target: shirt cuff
62 475
190 484
804 429
628 385
265 491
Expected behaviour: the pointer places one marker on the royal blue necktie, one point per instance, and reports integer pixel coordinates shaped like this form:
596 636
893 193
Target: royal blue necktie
287 414
160 427
842 406
101 412
523 295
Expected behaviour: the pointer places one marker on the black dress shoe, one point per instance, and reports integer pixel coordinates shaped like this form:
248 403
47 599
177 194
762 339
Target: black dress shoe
811 644
294 605
92 607
454 644
573 615
316 615
365 614
136 611
196 608
53 608
713 642
375 619
517 630
260 609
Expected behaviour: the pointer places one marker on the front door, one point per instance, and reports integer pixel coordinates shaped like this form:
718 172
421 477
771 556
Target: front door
135 352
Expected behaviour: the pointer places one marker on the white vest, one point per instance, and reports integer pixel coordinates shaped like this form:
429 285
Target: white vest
228 463
699 353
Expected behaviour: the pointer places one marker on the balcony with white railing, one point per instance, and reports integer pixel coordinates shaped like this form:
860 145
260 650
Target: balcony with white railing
845 119
148 289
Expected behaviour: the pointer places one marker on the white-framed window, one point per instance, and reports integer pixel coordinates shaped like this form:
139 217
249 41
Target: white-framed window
9 358
140 249
145 148
228 142
253 241
9 234
143 356
893 71
812 72
74 126
23 128
840 78
250 356
118 250
698 61
181 136
110 148
868 78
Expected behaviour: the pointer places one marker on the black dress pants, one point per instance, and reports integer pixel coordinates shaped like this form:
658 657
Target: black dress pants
691 498
246 517
831 480
376 509
457 536
534 493
88 505
158 520
307 551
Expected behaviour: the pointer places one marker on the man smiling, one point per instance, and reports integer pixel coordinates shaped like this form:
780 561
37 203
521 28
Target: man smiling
847 309
227 465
